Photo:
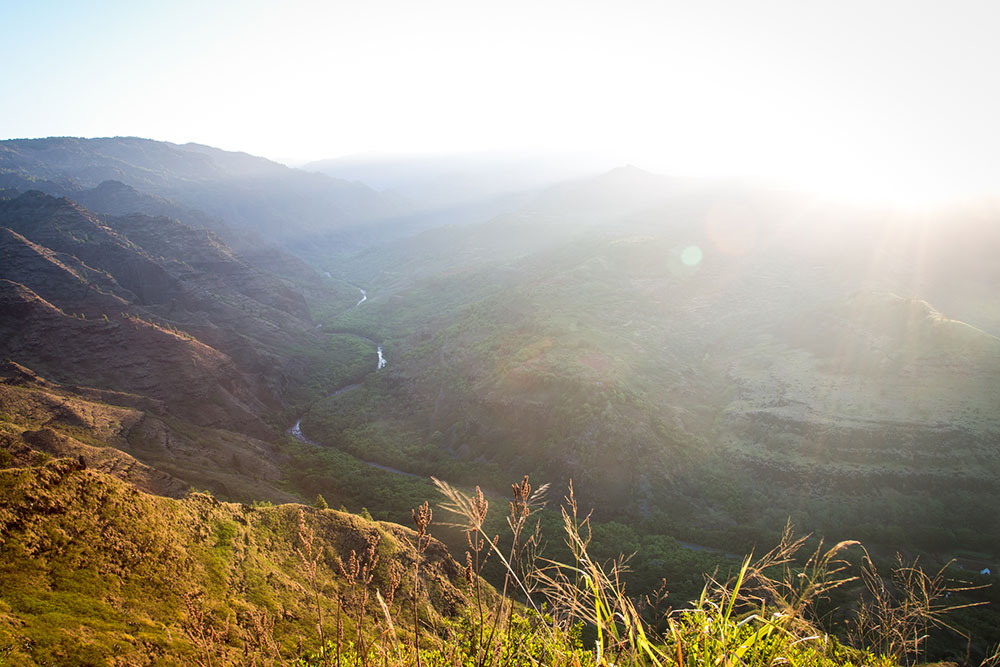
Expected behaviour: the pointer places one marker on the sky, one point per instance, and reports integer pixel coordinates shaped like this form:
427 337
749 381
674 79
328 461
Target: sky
881 98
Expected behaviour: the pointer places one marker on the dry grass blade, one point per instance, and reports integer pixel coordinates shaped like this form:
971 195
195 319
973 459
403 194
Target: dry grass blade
473 510
899 611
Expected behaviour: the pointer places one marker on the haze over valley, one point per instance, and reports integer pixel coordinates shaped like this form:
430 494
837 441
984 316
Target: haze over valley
702 329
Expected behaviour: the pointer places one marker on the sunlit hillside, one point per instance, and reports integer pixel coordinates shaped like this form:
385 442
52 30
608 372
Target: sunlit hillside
705 361
554 334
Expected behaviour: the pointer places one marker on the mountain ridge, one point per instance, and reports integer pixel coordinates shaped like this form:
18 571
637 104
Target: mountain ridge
283 204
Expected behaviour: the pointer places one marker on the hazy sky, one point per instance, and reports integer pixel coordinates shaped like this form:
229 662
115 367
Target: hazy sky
880 96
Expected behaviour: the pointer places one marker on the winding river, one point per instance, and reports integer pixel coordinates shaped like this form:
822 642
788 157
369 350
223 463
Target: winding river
296 430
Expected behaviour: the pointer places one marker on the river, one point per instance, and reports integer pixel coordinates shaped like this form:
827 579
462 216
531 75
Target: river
296 430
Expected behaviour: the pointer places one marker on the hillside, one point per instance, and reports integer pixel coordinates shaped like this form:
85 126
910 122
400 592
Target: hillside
117 199
132 436
198 581
94 571
281 204
703 361
707 332
125 298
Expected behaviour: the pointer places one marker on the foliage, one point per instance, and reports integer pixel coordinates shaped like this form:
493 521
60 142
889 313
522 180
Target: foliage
203 582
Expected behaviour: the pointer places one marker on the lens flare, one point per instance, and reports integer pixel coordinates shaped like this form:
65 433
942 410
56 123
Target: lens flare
691 256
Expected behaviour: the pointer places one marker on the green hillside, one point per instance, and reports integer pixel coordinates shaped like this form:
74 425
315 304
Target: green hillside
784 378
698 363
97 572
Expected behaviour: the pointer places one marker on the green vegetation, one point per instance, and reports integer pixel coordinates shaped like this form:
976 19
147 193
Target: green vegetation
747 398
163 575
704 396
197 581
337 360
545 363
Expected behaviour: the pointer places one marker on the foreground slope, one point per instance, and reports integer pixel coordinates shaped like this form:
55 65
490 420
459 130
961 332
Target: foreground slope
95 571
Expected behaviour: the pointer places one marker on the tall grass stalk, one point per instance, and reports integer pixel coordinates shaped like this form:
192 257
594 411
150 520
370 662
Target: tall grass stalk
309 557
422 518
765 614
899 610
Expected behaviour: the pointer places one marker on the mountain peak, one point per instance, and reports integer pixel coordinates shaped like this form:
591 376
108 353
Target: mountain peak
113 186
630 169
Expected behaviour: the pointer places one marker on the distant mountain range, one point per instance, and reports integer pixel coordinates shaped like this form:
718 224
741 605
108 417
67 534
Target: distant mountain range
459 188
703 360
286 206
694 325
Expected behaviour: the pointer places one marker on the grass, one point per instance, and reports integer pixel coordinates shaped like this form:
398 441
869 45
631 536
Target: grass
766 614
87 563
199 581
